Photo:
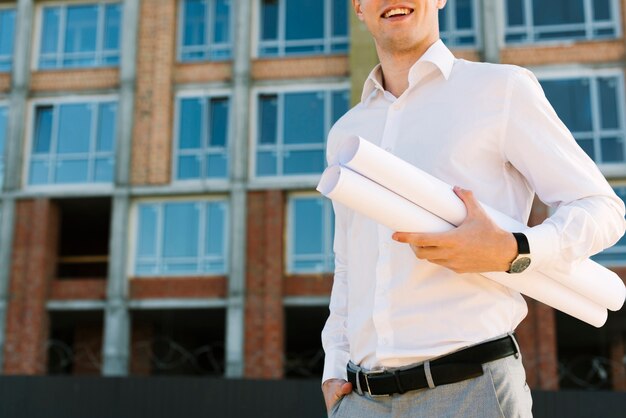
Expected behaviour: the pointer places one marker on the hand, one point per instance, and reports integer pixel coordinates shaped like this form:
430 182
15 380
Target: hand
335 389
477 245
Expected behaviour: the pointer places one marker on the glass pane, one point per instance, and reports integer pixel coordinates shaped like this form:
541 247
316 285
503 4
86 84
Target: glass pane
221 32
341 103
215 267
38 172
215 223
269 19
267 118
190 124
112 27
587 146
217 166
147 235
602 10
7 30
43 130
308 226
219 122
607 88
571 99
308 265
304 118
189 167
304 19
266 163
3 130
173 267
304 162
195 22
50 31
612 150
572 34
144 268
81 28
104 170
180 231
340 17
72 171
464 14
556 12
74 128
515 12
106 126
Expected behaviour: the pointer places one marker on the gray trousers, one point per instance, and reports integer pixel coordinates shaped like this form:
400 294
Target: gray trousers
501 392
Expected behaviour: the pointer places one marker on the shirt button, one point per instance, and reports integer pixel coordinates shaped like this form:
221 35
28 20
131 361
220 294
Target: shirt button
388 149
385 341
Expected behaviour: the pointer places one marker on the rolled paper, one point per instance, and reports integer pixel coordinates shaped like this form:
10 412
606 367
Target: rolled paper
588 278
399 214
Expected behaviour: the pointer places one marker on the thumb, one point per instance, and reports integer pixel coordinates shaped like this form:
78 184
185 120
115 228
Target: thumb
345 388
470 202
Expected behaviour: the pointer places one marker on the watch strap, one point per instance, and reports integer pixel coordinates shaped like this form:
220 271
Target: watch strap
522 243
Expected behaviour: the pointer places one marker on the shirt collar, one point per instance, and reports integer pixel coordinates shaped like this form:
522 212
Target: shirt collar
437 54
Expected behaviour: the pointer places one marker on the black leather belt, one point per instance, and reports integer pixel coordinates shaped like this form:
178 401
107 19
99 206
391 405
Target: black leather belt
454 367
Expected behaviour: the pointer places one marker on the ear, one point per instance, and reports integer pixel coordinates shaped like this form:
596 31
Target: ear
356 4
441 4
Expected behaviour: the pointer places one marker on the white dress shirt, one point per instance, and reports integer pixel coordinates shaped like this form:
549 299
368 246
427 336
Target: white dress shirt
489 129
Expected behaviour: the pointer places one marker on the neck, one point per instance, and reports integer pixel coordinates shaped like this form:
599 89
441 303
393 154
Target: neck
397 64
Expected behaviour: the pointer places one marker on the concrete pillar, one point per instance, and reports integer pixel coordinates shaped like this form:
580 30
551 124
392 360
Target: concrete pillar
239 128
116 340
492 24
20 77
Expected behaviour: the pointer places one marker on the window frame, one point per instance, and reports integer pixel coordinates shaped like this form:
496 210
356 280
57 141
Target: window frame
327 235
281 180
458 33
133 233
205 94
561 73
4 103
30 130
209 46
281 43
13 7
589 25
38 30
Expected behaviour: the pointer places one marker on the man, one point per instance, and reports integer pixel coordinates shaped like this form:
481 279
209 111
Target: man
413 331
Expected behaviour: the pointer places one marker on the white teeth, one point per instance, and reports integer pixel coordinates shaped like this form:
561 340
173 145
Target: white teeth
395 12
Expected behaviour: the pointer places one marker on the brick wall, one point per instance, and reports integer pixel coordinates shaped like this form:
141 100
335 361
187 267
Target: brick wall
152 132
34 256
264 324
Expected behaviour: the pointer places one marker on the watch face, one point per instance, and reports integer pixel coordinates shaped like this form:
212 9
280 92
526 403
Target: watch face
520 265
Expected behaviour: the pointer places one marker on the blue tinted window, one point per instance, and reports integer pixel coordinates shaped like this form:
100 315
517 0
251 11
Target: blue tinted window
537 20
89 34
7 33
206 30
615 255
456 23
292 130
182 237
202 150
591 109
300 27
310 235
73 143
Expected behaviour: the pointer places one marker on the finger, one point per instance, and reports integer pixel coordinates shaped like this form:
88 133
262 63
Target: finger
346 388
470 202
420 239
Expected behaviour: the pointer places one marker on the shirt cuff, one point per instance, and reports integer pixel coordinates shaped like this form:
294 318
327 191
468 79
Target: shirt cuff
543 241
335 365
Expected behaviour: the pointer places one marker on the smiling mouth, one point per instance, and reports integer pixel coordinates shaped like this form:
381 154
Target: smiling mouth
396 12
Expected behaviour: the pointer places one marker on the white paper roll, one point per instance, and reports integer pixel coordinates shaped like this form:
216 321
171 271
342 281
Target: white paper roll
397 213
588 278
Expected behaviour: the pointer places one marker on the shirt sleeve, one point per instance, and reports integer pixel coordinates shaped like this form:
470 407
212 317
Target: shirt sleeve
334 334
588 215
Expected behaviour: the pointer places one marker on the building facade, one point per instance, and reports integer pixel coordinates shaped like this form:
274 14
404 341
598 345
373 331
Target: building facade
158 160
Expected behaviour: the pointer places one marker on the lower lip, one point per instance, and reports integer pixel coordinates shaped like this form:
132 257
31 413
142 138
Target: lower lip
398 17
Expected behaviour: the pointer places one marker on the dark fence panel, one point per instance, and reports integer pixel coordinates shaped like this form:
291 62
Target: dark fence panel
155 397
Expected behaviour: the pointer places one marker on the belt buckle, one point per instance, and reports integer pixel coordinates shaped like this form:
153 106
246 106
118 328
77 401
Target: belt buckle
367 382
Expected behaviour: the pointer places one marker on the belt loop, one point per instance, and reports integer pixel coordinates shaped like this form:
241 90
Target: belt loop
512 335
429 376
359 371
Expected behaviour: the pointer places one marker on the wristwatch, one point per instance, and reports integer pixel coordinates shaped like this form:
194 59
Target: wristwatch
522 261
